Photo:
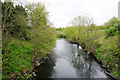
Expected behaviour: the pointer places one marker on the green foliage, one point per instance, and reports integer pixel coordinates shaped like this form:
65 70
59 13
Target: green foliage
59 29
112 31
59 32
102 41
117 73
70 33
16 56
60 36
111 22
14 21
23 43
43 37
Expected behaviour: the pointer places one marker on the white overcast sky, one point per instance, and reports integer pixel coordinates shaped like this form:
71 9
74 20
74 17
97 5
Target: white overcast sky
63 11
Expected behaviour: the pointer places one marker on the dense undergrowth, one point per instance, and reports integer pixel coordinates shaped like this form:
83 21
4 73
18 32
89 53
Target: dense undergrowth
101 41
26 35
17 57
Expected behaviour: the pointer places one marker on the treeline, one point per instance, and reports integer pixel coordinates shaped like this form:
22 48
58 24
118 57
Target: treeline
100 41
26 35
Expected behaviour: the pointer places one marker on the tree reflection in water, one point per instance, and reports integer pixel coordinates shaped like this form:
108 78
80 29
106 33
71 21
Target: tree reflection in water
46 69
84 64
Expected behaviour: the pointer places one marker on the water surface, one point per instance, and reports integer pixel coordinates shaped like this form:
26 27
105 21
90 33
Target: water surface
69 61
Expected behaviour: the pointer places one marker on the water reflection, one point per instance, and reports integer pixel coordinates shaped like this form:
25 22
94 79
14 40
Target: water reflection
46 69
69 61
86 67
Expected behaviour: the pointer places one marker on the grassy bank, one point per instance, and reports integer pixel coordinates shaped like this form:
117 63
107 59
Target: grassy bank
17 58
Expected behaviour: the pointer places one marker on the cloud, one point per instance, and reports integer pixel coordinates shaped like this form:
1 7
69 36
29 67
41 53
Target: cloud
63 11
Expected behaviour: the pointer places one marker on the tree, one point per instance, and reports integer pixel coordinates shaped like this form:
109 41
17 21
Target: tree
7 16
80 23
21 24
42 34
86 32
14 21
113 21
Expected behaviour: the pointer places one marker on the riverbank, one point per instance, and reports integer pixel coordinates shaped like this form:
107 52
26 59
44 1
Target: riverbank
23 44
67 61
100 41
95 56
19 59
37 63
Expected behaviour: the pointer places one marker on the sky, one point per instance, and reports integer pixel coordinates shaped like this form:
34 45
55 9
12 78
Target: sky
63 11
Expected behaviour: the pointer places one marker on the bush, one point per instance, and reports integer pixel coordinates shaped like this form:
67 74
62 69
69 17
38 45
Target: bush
17 56
112 31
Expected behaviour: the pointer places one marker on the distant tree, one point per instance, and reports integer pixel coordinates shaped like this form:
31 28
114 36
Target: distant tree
112 31
111 22
92 27
80 22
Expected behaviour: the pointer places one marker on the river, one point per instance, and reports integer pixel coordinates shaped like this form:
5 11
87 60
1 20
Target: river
69 61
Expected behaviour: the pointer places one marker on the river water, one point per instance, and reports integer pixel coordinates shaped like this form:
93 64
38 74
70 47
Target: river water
69 61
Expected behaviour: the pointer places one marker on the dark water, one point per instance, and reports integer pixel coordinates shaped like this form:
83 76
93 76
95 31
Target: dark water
68 61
